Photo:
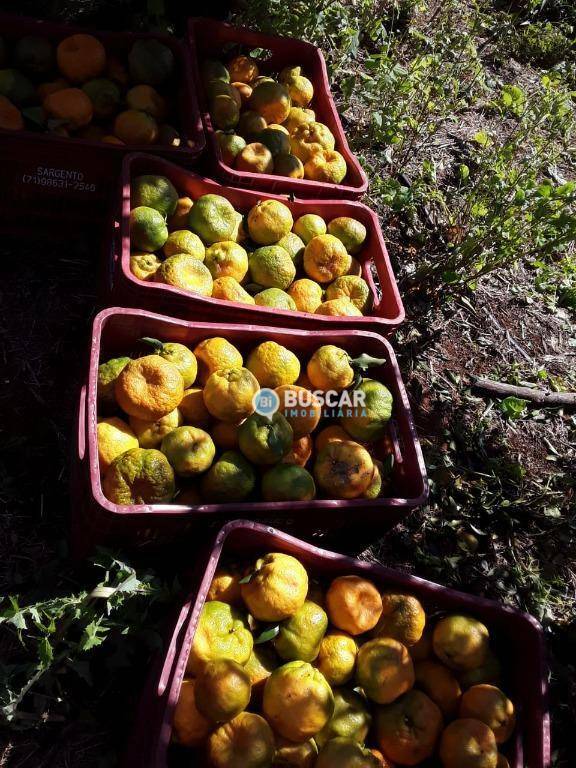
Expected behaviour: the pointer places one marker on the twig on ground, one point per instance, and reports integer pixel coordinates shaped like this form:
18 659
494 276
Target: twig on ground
539 396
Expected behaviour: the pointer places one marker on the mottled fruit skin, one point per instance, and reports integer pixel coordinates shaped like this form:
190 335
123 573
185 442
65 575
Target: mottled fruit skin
222 633
461 642
351 718
354 604
300 635
139 476
189 727
247 741
222 690
277 588
408 730
491 705
345 753
298 701
384 670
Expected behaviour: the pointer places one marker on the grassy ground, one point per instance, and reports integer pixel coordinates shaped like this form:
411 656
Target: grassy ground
501 517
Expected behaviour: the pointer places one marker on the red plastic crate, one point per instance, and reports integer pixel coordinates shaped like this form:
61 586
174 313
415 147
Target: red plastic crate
62 179
517 637
97 520
387 312
215 39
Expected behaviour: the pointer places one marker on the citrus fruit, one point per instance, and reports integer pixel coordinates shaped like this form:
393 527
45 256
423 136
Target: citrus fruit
147 99
190 450
246 741
34 55
265 440
276 588
255 158
309 139
114 438
81 57
273 364
271 100
45 89
10 116
139 476
213 218
17 88
189 726
144 265
350 231
345 753
288 482
135 127
275 297
337 657
269 221
262 662
181 356
354 604
460 642
222 690
250 123
230 289
330 434
222 633
488 672
187 273
329 368
301 755
300 452
407 730
225 111
308 226
272 267
344 470
326 166
225 586
225 435
227 259
148 231
104 95
300 407
193 409
468 743
298 116
179 219
276 141
184 241
286 164
502 762
423 648
230 478
212 69
351 719
368 423
338 308
300 88
71 105
298 702
307 294
490 705
229 394
154 191
377 484
243 69
355 289
150 62
402 618
245 91
151 433
230 146
325 258
149 387
108 372
300 635
213 354
440 684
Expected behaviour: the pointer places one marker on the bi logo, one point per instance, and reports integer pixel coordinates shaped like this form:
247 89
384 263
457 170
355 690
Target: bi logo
266 402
